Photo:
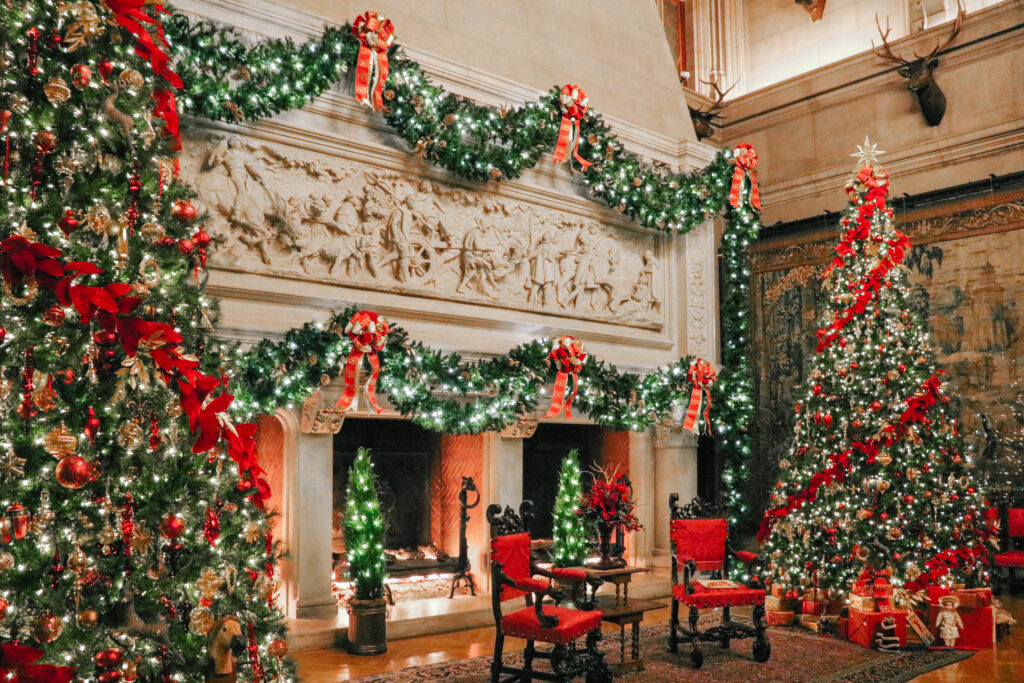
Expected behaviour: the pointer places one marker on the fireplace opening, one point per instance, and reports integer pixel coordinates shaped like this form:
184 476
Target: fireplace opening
542 458
404 456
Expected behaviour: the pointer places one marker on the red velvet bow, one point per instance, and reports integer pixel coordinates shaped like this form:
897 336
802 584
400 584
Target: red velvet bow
130 14
376 34
745 164
369 333
567 357
702 376
574 104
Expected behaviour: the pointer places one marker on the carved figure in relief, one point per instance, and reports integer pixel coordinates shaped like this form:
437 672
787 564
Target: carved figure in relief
591 275
427 214
477 258
643 293
246 200
544 270
337 218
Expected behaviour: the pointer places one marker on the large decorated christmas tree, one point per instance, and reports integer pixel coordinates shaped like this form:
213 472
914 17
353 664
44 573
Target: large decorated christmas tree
876 471
134 535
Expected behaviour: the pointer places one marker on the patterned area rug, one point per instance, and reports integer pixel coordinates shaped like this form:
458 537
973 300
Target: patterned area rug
797 655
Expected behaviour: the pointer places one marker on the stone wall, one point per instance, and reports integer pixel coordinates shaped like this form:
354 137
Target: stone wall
805 128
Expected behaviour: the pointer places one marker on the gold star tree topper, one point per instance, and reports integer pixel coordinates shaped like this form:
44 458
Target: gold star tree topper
868 153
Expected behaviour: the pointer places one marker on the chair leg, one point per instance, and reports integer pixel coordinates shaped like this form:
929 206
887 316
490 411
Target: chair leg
673 624
726 618
499 645
762 647
528 654
696 655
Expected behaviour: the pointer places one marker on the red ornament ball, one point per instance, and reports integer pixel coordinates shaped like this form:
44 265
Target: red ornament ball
817 390
105 67
171 527
884 515
3 334
68 223
3 609
901 367
908 499
109 658
73 472
856 424
54 316
80 75
105 338
184 210
186 246
876 406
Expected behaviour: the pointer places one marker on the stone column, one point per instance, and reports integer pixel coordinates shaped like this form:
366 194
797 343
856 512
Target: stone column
502 482
675 471
308 515
642 474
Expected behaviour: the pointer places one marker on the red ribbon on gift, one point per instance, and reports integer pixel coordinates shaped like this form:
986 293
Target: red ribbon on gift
376 35
368 332
744 164
130 15
567 357
574 102
702 376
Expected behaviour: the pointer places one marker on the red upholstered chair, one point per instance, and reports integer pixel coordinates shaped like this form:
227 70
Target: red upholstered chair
512 576
700 542
1011 537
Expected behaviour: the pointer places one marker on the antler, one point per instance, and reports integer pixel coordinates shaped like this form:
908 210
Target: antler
885 51
941 46
719 104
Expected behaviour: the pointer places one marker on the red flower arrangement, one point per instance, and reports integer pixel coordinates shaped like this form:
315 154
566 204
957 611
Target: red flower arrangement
609 502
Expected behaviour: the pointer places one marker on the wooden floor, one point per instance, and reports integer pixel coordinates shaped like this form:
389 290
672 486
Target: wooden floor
1004 663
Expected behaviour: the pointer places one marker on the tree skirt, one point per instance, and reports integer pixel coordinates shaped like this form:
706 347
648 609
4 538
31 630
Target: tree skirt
797 656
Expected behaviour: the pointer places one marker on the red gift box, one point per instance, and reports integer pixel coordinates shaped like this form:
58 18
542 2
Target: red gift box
811 607
844 627
864 625
979 631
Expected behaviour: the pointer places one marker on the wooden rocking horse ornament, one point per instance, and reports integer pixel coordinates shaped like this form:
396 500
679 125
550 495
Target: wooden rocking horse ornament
221 664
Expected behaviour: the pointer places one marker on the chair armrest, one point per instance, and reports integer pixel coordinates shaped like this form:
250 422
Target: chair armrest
538 588
566 574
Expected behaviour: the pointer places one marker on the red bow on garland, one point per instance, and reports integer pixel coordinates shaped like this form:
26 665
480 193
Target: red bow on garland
369 333
376 35
574 104
16 666
567 357
744 162
702 376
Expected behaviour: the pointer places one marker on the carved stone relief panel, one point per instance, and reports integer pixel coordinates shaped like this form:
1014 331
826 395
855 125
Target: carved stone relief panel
296 215
701 307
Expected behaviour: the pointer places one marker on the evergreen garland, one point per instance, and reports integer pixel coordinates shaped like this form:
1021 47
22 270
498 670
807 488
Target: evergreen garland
364 530
571 540
230 81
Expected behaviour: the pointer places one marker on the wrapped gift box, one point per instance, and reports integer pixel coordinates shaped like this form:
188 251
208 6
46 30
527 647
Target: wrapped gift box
864 603
844 627
863 626
979 631
811 607
780 618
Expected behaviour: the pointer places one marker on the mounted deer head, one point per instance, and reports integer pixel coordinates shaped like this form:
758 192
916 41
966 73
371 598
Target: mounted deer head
703 119
815 8
920 72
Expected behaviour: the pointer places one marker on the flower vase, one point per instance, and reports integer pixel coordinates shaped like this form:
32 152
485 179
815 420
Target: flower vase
607 561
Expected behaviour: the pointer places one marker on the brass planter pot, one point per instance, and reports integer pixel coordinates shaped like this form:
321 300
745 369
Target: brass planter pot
367 627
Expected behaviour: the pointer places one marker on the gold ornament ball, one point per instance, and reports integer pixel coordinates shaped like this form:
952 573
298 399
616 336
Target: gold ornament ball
895 533
78 561
152 232
201 620
56 90
6 562
130 79
88 619
47 628
112 228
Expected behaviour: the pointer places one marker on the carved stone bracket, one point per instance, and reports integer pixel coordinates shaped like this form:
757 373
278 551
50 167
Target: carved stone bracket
523 428
316 419
670 434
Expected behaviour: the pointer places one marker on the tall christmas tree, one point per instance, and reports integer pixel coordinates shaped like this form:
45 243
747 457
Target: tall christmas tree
134 532
877 470
571 542
364 530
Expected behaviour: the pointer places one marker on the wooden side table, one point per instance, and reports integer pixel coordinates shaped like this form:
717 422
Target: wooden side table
623 612
619 577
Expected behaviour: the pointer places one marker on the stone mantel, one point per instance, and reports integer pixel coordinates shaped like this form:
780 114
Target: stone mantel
333 175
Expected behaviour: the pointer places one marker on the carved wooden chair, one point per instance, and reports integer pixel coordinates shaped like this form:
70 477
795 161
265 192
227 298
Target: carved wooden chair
699 536
512 575
1011 541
